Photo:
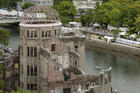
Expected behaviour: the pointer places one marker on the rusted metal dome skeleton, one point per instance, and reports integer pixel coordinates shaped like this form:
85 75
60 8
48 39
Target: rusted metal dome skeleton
40 14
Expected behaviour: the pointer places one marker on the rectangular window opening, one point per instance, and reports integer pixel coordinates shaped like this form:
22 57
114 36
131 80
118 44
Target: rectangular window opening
28 33
32 87
32 34
35 86
28 86
31 51
53 47
66 90
32 71
22 69
46 34
49 34
28 54
35 51
35 34
55 32
35 71
28 70
22 85
42 33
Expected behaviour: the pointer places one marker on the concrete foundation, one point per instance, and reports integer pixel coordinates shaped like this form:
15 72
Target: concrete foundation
114 48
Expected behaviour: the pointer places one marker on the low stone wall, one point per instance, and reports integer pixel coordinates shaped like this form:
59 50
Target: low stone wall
113 48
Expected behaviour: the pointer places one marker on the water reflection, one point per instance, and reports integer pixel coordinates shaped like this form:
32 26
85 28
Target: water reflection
14 36
125 74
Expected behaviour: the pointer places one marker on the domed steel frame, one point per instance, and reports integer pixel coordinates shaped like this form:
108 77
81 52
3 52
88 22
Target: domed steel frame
40 14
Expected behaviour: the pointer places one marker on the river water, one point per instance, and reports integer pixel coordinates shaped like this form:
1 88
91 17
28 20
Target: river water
125 73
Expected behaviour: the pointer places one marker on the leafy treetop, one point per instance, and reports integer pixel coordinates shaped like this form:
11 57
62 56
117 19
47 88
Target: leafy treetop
4 37
66 10
26 5
9 4
118 13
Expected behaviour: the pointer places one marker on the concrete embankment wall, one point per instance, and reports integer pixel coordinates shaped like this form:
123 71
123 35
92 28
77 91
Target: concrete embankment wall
114 48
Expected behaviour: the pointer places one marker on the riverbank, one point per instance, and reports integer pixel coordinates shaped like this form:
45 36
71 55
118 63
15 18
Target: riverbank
113 48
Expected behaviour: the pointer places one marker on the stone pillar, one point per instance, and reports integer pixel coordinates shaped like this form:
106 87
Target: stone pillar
109 76
101 82
81 51
101 79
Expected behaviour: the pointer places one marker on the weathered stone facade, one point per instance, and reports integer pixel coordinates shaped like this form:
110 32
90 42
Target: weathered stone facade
31 40
37 33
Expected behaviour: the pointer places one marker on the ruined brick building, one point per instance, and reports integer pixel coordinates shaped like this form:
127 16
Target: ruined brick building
38 26
51 61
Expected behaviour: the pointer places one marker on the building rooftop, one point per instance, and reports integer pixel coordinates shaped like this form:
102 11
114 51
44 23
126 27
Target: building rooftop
40 15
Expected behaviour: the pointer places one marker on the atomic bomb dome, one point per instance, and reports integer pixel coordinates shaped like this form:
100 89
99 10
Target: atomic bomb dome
38 25
40 15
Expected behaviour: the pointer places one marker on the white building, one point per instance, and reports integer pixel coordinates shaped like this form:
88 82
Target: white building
36 2
86 4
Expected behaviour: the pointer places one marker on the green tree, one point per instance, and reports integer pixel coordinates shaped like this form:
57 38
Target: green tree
131 12
4 37
115 33
9 4
24 91
107 14
104 1
86 19
118 13
66 10
56 2
1 84
1 53
101 16
12 4
2 3
115 17
26 5
1 91
137 23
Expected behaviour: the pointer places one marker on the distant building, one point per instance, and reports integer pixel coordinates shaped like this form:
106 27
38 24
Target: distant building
36 2
86 4
83 5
